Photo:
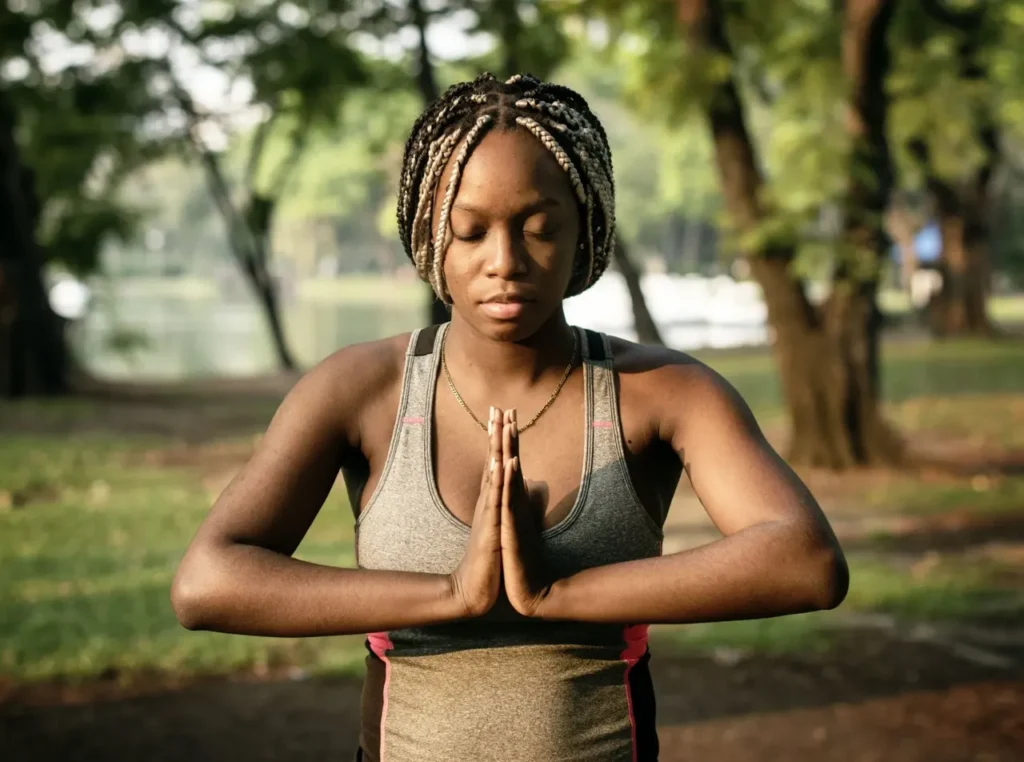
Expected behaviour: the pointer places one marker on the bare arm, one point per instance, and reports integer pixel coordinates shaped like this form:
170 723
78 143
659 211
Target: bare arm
779 554
238 574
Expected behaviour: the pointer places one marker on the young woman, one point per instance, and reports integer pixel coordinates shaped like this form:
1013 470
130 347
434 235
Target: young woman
510 474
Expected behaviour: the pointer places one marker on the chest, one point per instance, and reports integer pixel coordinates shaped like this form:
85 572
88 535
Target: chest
553 452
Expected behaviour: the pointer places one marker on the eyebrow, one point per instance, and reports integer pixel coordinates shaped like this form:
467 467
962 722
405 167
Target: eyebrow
534 207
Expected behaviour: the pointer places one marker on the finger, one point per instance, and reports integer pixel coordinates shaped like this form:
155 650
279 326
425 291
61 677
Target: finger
485 477
514 443
496 434
509 539
506 437
494 490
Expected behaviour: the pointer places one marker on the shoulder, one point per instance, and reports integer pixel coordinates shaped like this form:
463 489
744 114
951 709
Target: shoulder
661 369
340 388
362 369
684 395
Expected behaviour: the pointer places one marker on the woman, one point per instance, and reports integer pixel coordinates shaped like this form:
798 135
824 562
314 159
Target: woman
510 561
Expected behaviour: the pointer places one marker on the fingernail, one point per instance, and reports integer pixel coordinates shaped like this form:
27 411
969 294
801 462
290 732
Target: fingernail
515 464
494 463
490 426
490 415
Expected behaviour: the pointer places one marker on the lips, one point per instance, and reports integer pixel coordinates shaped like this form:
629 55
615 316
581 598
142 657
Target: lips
505 306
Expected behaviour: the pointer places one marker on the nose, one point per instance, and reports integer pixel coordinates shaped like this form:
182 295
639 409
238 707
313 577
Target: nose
506 256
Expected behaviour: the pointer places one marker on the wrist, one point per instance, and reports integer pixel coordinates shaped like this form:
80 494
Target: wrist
457 605
551 601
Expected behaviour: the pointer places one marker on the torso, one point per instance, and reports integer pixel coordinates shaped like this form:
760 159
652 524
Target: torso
551 451
565 689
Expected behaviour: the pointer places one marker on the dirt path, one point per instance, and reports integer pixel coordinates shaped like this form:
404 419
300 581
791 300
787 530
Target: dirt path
870 699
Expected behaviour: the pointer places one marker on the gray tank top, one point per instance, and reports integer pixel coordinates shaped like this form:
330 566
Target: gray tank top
504 687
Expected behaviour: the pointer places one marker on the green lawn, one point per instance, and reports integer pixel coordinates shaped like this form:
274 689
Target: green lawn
89 558
910 369
91 530
952 590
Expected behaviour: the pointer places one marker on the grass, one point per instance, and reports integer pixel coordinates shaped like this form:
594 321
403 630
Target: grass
910 370
936 589
979 496
88 562
91 530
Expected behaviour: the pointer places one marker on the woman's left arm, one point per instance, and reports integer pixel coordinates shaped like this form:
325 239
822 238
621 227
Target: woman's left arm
778 554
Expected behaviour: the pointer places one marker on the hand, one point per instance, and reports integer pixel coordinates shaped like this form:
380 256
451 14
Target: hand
476 582
522 566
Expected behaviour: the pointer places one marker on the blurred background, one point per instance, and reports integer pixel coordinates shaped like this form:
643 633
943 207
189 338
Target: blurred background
821 199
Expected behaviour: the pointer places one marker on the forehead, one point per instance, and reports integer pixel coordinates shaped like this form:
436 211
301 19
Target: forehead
508 167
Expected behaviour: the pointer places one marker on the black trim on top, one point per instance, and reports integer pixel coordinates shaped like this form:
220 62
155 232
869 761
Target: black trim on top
371 707
425 341
595 346
641 694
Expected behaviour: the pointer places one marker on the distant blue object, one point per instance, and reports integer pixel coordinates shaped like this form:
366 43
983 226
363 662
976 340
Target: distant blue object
928 243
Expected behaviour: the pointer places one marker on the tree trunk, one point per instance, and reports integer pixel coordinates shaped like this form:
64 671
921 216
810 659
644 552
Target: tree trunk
827 358
426 82
246 231
853 318
646 329
266 292
960 307
902 225
246 245
33 352
511 28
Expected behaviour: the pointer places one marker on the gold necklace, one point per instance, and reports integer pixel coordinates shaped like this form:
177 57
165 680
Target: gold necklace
528 424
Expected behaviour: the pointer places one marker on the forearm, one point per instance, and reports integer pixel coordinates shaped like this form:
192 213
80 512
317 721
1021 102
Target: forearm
249 590
766 570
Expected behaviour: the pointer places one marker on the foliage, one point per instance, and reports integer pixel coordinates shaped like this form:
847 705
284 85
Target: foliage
333 78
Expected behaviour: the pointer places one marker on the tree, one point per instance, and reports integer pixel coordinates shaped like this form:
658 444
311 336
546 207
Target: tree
33 355
827 353
944 102
68 135
133 101
554 54
300 70
426 81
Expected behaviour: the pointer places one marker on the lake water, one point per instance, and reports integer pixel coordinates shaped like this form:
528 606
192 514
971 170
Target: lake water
180 336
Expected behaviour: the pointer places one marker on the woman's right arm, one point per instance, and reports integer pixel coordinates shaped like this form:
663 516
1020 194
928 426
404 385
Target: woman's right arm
238 574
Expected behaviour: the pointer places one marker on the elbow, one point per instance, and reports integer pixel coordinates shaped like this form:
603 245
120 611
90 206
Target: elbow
191 598
831 576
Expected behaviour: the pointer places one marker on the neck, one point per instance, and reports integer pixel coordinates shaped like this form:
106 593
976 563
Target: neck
509 364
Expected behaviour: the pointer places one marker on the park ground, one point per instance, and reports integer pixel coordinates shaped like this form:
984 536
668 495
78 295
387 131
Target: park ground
924 661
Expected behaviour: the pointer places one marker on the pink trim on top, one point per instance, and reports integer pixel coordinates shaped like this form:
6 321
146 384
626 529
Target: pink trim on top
413 419
601 425
636 644
380 644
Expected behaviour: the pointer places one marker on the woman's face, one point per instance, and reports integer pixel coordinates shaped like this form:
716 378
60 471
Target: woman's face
514 227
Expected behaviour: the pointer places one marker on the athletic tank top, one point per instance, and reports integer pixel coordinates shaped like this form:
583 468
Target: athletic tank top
503 687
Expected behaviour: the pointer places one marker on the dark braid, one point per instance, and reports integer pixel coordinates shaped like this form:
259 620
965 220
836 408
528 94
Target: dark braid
556 115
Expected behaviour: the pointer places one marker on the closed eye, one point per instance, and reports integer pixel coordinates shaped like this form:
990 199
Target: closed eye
471 237
541 235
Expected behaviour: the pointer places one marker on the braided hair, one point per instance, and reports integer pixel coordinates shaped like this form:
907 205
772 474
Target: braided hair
557 116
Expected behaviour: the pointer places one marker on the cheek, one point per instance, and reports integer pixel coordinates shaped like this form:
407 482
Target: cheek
456 266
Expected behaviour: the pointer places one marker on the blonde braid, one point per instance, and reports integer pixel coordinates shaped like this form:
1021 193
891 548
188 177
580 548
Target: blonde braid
441 234
560 155
441 151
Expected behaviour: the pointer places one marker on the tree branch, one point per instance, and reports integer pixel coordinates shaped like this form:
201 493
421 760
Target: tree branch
259 141
966 20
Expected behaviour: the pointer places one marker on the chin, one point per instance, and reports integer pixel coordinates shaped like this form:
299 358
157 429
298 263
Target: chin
520 327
